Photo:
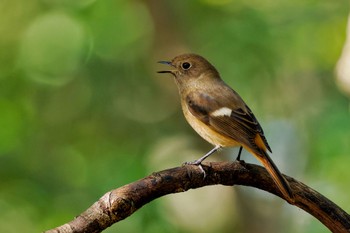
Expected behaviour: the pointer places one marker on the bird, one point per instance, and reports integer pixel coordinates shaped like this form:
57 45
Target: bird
219 115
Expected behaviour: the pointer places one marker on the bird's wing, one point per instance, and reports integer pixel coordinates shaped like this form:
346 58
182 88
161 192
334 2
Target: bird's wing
237 121
229 118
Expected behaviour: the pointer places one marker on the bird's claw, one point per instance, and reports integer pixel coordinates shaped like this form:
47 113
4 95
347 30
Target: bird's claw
197 163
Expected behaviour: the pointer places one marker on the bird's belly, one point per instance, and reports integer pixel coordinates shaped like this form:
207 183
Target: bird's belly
207 133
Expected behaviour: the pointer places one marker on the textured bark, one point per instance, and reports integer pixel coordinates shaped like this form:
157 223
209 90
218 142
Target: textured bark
120 203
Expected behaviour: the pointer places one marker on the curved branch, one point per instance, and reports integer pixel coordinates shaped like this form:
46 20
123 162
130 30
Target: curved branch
122 202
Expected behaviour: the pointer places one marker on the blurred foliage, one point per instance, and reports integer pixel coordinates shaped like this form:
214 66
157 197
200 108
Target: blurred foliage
82 110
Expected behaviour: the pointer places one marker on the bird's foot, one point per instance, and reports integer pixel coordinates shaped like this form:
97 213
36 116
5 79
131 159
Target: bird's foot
198 163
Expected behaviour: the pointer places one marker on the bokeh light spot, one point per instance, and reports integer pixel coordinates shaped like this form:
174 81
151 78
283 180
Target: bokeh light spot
52 48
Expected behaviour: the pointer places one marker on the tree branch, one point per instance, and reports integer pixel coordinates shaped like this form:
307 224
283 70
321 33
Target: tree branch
124 201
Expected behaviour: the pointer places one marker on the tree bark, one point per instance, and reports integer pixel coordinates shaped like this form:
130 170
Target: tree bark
120 203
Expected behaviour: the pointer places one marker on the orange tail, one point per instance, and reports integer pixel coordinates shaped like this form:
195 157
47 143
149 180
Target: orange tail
280 181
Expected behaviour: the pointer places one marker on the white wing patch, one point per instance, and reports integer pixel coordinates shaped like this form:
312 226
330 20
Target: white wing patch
222 112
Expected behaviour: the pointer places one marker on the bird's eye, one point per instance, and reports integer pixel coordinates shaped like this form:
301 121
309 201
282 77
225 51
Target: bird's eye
186 65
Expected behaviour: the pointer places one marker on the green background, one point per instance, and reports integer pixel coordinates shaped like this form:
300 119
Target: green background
83 111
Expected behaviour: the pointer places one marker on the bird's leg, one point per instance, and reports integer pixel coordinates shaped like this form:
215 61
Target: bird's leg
200 160
239 154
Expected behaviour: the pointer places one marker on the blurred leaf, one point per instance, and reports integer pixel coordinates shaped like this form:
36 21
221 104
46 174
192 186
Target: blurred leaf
69 3
11 123
120 27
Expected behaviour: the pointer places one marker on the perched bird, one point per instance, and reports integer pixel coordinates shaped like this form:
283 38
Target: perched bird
218 114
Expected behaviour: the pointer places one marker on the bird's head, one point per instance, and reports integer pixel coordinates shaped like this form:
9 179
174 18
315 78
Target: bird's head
190 67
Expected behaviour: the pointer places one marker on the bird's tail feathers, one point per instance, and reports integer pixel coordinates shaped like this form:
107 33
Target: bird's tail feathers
280 181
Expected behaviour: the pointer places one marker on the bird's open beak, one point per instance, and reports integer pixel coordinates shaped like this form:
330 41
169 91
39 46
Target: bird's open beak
166 71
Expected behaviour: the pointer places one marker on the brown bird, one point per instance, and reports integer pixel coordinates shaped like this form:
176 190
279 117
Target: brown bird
218 114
